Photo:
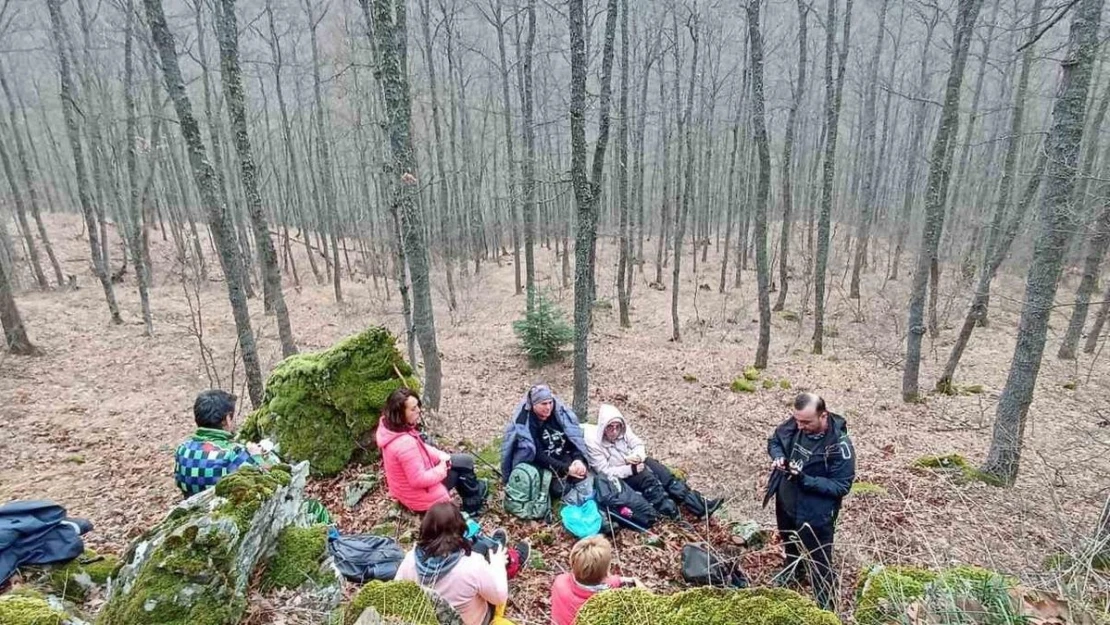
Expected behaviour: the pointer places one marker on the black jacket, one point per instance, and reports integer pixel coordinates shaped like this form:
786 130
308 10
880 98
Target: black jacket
826 477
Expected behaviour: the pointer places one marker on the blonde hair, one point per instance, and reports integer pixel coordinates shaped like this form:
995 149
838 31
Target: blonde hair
590 559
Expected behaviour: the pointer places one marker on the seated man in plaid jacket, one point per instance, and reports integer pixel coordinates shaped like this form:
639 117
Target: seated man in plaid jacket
212 451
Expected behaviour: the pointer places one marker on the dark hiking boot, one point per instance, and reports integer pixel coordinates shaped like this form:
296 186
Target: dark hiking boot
790 575
500 536
668 509
713 505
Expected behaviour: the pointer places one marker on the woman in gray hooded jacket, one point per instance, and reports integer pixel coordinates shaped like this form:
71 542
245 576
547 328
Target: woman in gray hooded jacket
615 451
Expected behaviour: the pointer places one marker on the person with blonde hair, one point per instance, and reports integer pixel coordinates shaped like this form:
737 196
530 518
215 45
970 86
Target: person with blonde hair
590 563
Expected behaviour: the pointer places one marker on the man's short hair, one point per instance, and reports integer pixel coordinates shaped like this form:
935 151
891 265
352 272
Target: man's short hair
211 407
805 400
590 559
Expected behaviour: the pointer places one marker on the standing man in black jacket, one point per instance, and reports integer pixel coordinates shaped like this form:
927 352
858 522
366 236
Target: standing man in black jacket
813 466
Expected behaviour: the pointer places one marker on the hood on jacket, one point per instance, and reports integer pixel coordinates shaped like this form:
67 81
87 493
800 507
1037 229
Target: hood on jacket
384 436
606 415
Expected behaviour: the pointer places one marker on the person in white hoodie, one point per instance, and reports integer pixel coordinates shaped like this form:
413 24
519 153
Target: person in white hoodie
615 451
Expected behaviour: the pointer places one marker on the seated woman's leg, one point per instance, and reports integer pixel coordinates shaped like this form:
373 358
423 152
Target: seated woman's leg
678 490
463 480
647 484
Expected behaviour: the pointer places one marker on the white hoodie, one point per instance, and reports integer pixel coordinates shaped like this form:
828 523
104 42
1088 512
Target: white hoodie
609 458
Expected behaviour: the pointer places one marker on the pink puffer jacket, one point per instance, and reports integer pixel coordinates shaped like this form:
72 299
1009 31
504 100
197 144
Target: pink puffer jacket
414 470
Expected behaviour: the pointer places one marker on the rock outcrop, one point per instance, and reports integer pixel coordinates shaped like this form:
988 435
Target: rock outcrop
703 606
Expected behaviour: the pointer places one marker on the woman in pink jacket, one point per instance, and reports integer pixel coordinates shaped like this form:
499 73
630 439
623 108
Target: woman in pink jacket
419 475
473 579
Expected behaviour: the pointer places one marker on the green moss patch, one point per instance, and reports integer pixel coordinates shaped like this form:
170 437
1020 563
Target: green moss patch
742 385
76 579
884 593
247 489
324 406
187 581
300 550
25 609
400 599
868 489
703 606
784 384
958 466
752 374
190 570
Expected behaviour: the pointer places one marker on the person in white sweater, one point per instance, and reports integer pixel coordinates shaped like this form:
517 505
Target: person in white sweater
615 451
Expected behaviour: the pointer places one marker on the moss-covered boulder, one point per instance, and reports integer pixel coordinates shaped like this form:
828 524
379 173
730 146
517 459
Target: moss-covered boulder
324 406
194 567
703 606
956 466
31 608
76 580
885 594
399 602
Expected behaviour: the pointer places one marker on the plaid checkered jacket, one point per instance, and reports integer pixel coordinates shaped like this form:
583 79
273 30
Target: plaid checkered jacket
207 456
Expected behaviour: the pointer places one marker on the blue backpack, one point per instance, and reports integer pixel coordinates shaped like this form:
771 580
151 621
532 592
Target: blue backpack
583 520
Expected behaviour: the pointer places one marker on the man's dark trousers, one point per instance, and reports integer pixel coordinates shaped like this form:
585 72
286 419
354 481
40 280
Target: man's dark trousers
817 543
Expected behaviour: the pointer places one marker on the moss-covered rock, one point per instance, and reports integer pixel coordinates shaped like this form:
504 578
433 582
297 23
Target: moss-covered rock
324 406
28 608
75 580
300 551
957 466
401 600
885 593
194 568
703 606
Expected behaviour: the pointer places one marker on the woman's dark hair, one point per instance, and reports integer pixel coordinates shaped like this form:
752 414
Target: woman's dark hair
212 407
394 412
443 531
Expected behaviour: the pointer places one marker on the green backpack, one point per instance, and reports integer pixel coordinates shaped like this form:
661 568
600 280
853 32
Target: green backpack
527 495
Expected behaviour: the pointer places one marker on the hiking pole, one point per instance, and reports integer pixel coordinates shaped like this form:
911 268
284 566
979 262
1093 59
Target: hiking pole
488 464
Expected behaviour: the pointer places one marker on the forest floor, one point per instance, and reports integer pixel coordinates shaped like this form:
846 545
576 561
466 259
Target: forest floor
92 423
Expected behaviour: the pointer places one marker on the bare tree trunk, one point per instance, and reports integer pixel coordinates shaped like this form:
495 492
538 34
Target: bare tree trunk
326 172
1056 223
763 187
1100 320
870 123
833 94
788 156
664 216
730 196
685 128
15 335
205 178
586 191
528 167
28 179
1088 284
998 247
21 216
910 187
228 32
499 24
623 277
936 192
389 29
287 134
142 269
74 132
